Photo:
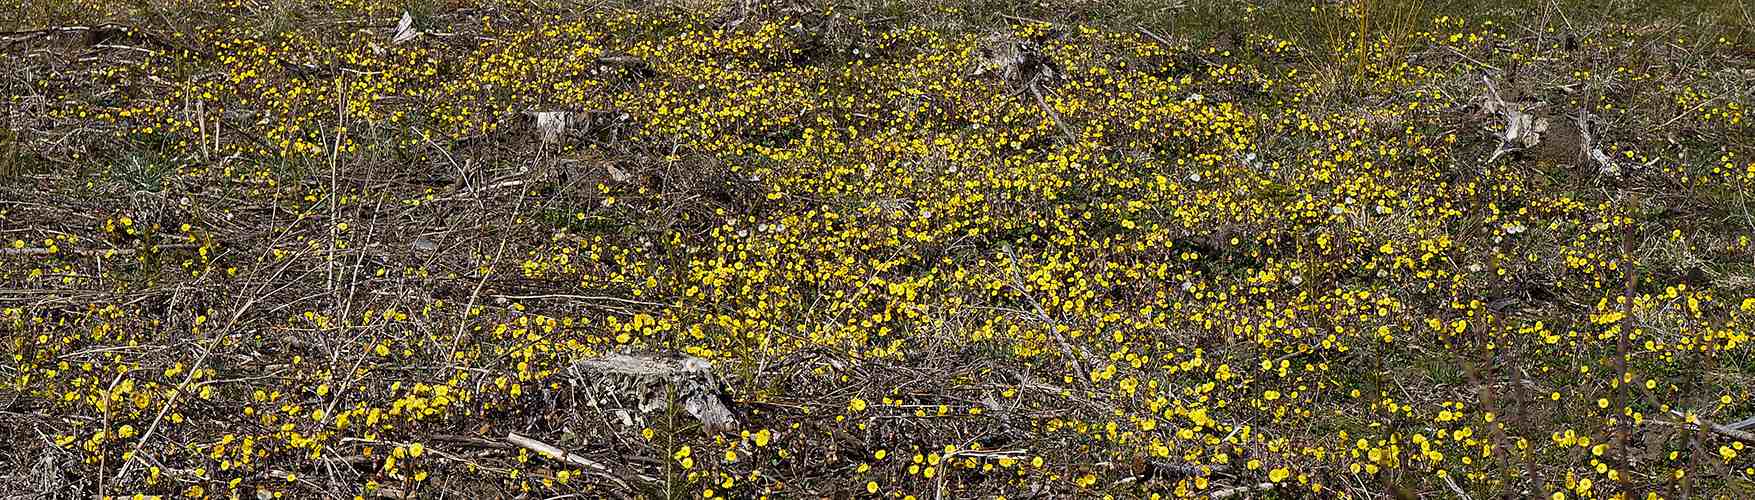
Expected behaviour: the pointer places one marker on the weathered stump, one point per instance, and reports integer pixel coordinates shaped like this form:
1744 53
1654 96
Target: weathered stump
634 386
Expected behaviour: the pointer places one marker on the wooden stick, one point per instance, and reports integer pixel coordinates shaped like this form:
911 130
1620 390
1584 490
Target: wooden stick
117 252
1723 430
1742 424
553 452
1241 490
1154 36
625 61
1037 93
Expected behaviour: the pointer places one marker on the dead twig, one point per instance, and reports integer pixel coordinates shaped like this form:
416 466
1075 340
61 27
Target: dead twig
1154 36
1477 62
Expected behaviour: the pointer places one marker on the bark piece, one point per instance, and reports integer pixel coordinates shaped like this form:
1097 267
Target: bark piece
552 126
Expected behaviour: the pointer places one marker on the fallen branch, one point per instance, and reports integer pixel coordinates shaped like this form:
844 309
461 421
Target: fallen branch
114 252
627 61
1037 93
1154 36
1722 430
551 451
52 29
1241 490
1742 424
1451 483
1477 62
1025 20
